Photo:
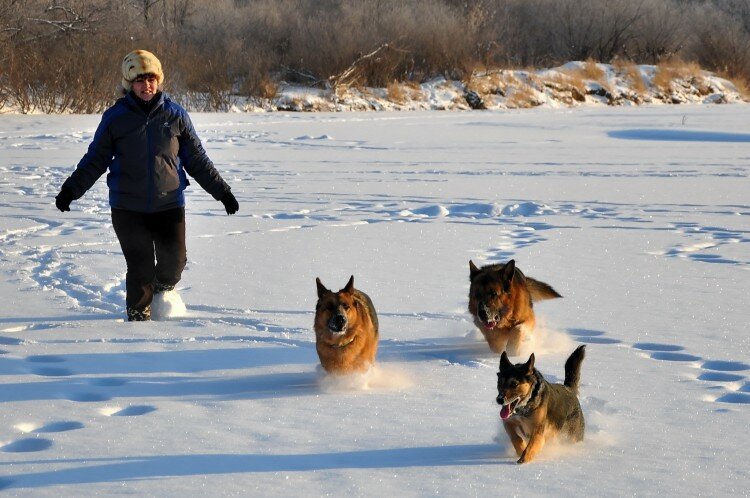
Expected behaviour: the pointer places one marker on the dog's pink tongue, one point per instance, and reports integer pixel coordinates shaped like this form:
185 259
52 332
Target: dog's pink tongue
505 412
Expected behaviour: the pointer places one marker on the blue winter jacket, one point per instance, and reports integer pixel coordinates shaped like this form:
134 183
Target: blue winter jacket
147 157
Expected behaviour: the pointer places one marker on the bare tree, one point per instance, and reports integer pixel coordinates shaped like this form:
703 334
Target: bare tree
660 33
598 29
721 42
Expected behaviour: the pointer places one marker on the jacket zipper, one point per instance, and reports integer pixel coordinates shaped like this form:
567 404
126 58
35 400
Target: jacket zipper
150 189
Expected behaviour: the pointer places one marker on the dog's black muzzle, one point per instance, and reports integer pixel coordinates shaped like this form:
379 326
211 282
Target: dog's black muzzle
337 323
488 316
500 400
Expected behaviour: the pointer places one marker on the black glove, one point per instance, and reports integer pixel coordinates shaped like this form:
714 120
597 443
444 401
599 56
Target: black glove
63 200
230 203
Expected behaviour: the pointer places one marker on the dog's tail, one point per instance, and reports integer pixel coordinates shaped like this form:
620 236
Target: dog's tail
540 291
573 368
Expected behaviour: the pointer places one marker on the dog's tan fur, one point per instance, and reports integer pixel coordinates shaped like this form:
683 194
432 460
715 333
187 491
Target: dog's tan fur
501 302
346 329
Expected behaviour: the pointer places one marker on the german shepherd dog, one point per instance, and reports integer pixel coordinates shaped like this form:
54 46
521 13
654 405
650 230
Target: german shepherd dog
346 329
533 410
501 301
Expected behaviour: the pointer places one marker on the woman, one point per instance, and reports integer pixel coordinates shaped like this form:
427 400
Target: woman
148 143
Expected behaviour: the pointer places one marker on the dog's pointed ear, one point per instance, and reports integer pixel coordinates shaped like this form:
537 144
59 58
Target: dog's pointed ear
349 285
507 273
321 288
529 365
505 363
473 270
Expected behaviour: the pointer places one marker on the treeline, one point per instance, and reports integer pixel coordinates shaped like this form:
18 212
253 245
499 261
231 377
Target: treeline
64 55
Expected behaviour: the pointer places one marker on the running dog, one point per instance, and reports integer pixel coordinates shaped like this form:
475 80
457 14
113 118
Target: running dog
533 410
501 303
346 329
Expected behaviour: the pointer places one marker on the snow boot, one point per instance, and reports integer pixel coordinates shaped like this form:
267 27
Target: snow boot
143 315
160 287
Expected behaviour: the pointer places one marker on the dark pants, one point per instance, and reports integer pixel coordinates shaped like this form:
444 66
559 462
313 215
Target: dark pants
143 237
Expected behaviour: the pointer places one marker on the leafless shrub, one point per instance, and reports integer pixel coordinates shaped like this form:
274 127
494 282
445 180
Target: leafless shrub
660 33
721 42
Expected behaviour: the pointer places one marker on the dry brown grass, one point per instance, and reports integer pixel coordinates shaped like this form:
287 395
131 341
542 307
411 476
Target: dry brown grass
566 87
632 73
403 92
483 85
670 70
591 71
498 82
507 82
395 92
522 97
742 85
565 81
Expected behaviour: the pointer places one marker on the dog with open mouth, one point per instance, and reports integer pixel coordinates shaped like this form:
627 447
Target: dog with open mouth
346 329
533 410
501 301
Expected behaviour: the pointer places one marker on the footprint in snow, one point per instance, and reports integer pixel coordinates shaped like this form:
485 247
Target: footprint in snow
45 359
11 341
723 373
714 371
63 426
734 398
719 377
109 382
665 352
130 411
726 366
87 397
587 336
27 445
52 372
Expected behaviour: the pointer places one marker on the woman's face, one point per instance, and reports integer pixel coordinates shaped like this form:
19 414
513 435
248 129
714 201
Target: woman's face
145 87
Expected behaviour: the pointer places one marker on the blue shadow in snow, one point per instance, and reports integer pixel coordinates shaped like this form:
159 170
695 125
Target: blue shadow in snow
275 385
679 135
164 466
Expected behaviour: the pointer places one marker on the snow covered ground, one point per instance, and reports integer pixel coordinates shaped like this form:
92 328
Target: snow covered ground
638 216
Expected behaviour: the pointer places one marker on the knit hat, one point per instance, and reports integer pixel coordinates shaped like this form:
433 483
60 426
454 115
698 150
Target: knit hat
137 63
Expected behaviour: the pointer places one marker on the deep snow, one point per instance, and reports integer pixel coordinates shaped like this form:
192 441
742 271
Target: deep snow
638 216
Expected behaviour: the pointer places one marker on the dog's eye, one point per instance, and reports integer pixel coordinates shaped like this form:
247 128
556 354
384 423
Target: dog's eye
345 306
513 384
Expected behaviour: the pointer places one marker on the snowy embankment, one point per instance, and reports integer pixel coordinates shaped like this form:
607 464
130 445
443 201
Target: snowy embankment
637 216
571 85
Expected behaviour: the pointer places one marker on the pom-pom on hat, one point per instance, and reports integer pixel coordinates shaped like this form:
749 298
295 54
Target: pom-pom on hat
137 63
